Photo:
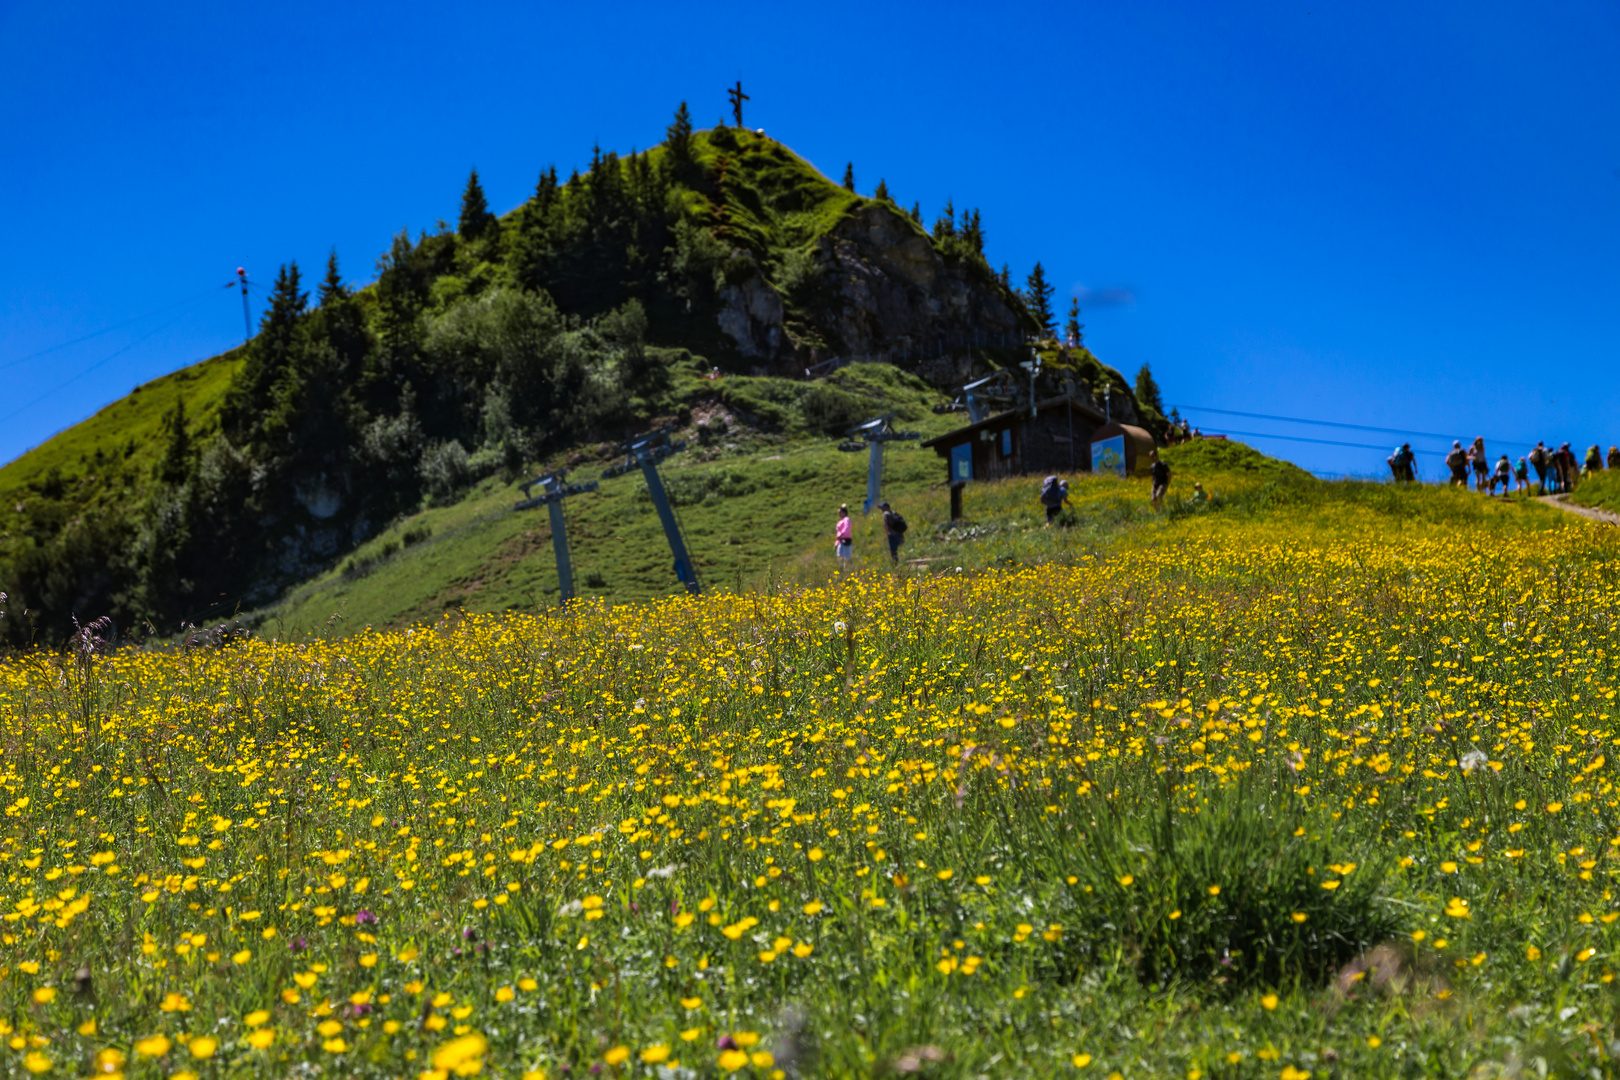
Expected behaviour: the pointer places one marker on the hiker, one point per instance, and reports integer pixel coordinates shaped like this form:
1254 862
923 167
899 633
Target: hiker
1503 475
1521 474
1566 468
894 527
1199 495
1594 459
1539 460
1054 493
1476 457
1402 464
1457 462
1161 478
1614 457
844 538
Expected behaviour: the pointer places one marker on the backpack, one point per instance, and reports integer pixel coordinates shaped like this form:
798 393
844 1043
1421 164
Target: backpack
897 524
1051 492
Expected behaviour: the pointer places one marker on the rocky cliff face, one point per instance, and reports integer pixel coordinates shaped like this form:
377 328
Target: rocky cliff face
879 286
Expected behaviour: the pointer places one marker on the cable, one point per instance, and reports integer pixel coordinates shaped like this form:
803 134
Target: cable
1338 424
97 364
110 329
1324 442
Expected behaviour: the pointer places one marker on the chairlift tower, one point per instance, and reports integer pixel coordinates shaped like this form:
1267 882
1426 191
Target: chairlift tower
554 488
876 434
998 390
645 452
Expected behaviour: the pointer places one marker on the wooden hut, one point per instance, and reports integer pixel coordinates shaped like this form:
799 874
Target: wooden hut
1057 439
1120 448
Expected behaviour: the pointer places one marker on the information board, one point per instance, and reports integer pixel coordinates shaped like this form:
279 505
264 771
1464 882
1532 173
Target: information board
962 463
1108 455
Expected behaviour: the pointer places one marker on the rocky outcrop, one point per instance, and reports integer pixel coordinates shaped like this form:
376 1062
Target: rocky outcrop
752 315
895 294
879 287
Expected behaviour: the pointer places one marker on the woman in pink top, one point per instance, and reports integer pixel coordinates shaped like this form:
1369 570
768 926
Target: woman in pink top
844 538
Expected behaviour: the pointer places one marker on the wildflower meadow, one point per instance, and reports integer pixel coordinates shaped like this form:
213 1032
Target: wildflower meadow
1219 804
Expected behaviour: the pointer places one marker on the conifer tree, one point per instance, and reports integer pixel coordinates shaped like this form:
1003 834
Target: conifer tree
882 191
332 287
176 464
1005 277
1038 295
916 212
945 224
1075 330
849 177
973 231
475 216
1147 390
545 191
678 141
280 321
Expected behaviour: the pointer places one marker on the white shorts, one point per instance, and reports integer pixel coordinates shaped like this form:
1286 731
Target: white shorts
845 549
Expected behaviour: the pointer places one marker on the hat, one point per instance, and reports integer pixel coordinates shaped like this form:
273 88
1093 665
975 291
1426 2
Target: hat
883 506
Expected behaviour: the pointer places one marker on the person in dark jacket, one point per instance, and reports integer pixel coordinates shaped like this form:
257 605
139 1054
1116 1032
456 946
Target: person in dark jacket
894 527
1160 473
1457 462
1540 460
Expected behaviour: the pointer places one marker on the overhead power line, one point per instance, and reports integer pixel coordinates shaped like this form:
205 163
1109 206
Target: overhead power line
110 329
1324 442
99 364
1341 424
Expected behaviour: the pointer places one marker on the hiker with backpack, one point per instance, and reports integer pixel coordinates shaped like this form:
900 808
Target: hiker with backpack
1503 475
894 526
1457 462
1539 460
1594 459
1402 464
844 538
1054 493
1482 466
1567 468
1521 476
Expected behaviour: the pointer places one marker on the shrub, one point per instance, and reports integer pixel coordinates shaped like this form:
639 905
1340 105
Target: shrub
689 489
445 469
829 409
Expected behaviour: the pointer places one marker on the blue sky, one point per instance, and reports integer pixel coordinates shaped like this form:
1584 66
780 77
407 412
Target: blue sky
1400 216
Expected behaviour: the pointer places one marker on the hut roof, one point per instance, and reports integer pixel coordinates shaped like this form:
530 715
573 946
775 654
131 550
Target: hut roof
955 434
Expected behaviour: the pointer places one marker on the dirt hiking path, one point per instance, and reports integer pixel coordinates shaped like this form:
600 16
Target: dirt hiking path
1562 502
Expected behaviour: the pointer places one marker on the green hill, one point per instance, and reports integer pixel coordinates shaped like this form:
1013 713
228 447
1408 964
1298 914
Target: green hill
601 306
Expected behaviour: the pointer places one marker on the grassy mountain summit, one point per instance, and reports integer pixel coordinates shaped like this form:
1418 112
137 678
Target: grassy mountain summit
595 309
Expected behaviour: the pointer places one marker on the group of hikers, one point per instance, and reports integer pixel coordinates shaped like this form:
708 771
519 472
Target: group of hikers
894 529
1556 470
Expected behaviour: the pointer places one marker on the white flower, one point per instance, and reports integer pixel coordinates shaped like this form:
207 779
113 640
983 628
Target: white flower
570 909
663 871
1474 759
839 627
